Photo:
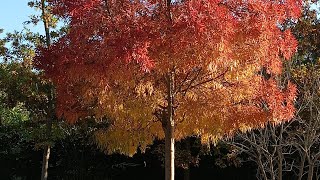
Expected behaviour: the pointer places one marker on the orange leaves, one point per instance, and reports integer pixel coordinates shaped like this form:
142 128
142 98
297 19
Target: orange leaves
288 45
279 102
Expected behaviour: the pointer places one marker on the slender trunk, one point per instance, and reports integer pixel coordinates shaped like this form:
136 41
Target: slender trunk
301 168
280 158
310 171
45 22
280 154
169 132
272 174
317 173
260 165
46 153
169 153
45 163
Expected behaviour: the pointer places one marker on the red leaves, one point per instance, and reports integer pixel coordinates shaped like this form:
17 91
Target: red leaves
73 8
140 55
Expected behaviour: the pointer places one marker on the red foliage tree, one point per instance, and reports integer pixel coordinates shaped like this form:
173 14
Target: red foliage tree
170 69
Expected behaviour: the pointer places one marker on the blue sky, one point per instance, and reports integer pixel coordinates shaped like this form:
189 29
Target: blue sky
13 13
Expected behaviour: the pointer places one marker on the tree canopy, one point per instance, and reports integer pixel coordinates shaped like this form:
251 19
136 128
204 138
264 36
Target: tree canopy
221 57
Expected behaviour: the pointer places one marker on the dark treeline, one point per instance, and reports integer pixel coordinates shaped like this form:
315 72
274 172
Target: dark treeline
74 157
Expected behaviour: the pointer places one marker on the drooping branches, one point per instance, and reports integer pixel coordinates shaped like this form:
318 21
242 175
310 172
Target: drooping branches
115 64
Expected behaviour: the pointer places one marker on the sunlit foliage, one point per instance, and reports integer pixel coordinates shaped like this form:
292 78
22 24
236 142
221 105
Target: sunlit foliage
224 57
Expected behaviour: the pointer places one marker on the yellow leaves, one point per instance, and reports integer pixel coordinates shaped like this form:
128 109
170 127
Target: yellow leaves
210 139
114 142
130 107
125 136
301 73
144 89
240 72
212 67
221 47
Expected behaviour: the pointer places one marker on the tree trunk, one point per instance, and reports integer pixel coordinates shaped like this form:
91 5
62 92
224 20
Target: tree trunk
45 22
272 174
46 153
169 131
280 159
45 163
260 165
310 171
301 168
280 153
169 153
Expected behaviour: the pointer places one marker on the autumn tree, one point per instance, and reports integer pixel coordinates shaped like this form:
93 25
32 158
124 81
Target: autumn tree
169 69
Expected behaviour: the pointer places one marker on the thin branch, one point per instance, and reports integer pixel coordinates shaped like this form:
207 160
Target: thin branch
203 82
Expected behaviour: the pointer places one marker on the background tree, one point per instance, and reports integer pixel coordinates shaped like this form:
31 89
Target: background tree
292 146
169 69
305 138
22 84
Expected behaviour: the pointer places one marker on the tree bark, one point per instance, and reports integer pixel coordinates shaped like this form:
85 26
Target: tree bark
263 172
169 131
301 168
169 153
280 159
272 174
280 153
45 163
310 171
45 22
